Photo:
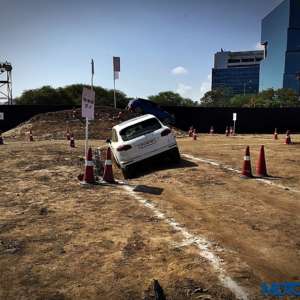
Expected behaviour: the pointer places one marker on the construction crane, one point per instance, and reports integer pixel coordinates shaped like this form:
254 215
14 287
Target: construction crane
6 83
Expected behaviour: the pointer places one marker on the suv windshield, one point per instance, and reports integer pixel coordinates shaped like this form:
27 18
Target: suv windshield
139 129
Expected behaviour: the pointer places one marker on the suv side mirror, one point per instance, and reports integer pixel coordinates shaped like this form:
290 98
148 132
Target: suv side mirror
108 141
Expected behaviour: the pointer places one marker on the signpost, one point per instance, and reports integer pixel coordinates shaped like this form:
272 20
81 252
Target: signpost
234 118
116 71
88 108
1 116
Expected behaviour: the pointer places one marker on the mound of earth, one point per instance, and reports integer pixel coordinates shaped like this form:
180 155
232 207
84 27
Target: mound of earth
54 125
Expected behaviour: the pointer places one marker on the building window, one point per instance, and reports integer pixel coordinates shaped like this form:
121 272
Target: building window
232 60
248 60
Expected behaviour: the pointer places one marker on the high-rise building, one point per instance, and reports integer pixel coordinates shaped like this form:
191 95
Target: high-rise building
280 35
237 71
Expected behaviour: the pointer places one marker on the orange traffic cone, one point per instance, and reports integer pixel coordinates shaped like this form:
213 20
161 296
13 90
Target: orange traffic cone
30 136
108 172
68 135
211 131
1 139
194 135
288 139
261 167
226 131
72 141
247 171
275 134
88 176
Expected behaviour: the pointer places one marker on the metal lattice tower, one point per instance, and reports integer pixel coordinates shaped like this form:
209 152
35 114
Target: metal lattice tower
6 82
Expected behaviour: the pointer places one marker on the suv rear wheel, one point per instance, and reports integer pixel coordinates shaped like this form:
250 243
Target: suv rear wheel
175 155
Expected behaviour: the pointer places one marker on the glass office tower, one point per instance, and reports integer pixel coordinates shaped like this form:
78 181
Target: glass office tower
237 71
281 37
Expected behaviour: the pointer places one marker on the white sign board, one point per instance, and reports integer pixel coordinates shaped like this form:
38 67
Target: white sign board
1 116
234 116
88 104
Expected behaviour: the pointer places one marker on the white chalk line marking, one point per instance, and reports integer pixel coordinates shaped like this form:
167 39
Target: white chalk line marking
216 164
201 243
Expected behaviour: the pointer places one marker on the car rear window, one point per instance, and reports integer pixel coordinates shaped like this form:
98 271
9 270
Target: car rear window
139 129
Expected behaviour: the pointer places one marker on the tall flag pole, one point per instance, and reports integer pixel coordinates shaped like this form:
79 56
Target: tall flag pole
92 74
86 119
116 71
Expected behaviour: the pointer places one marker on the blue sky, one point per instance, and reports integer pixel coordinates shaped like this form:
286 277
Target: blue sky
163 44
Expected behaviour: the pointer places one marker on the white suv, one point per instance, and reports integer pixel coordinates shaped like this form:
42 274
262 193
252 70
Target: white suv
141 138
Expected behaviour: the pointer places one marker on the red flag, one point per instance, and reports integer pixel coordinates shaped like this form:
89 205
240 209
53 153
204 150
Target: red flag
116 63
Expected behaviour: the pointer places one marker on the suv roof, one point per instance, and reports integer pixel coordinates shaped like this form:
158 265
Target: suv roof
133 121
141 100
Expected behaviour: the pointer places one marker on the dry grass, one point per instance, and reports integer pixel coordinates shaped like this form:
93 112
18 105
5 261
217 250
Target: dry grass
59 240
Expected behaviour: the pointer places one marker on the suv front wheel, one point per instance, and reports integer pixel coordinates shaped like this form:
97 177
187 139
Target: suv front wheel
128 172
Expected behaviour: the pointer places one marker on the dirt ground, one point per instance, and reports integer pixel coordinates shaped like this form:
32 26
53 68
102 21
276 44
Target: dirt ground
54 125
59 240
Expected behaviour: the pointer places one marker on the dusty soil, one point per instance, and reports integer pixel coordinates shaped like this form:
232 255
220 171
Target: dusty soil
59 240
54 125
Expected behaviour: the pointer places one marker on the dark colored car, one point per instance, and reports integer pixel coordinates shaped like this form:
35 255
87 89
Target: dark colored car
144 106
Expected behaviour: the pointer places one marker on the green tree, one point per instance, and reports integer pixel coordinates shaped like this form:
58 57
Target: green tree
222 97
219 97
241 101
170 98
45 95
122 99
69 95
103 96
267 98
276 98
287 98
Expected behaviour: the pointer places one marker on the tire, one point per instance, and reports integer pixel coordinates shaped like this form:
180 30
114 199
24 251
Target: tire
127 172
175 155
